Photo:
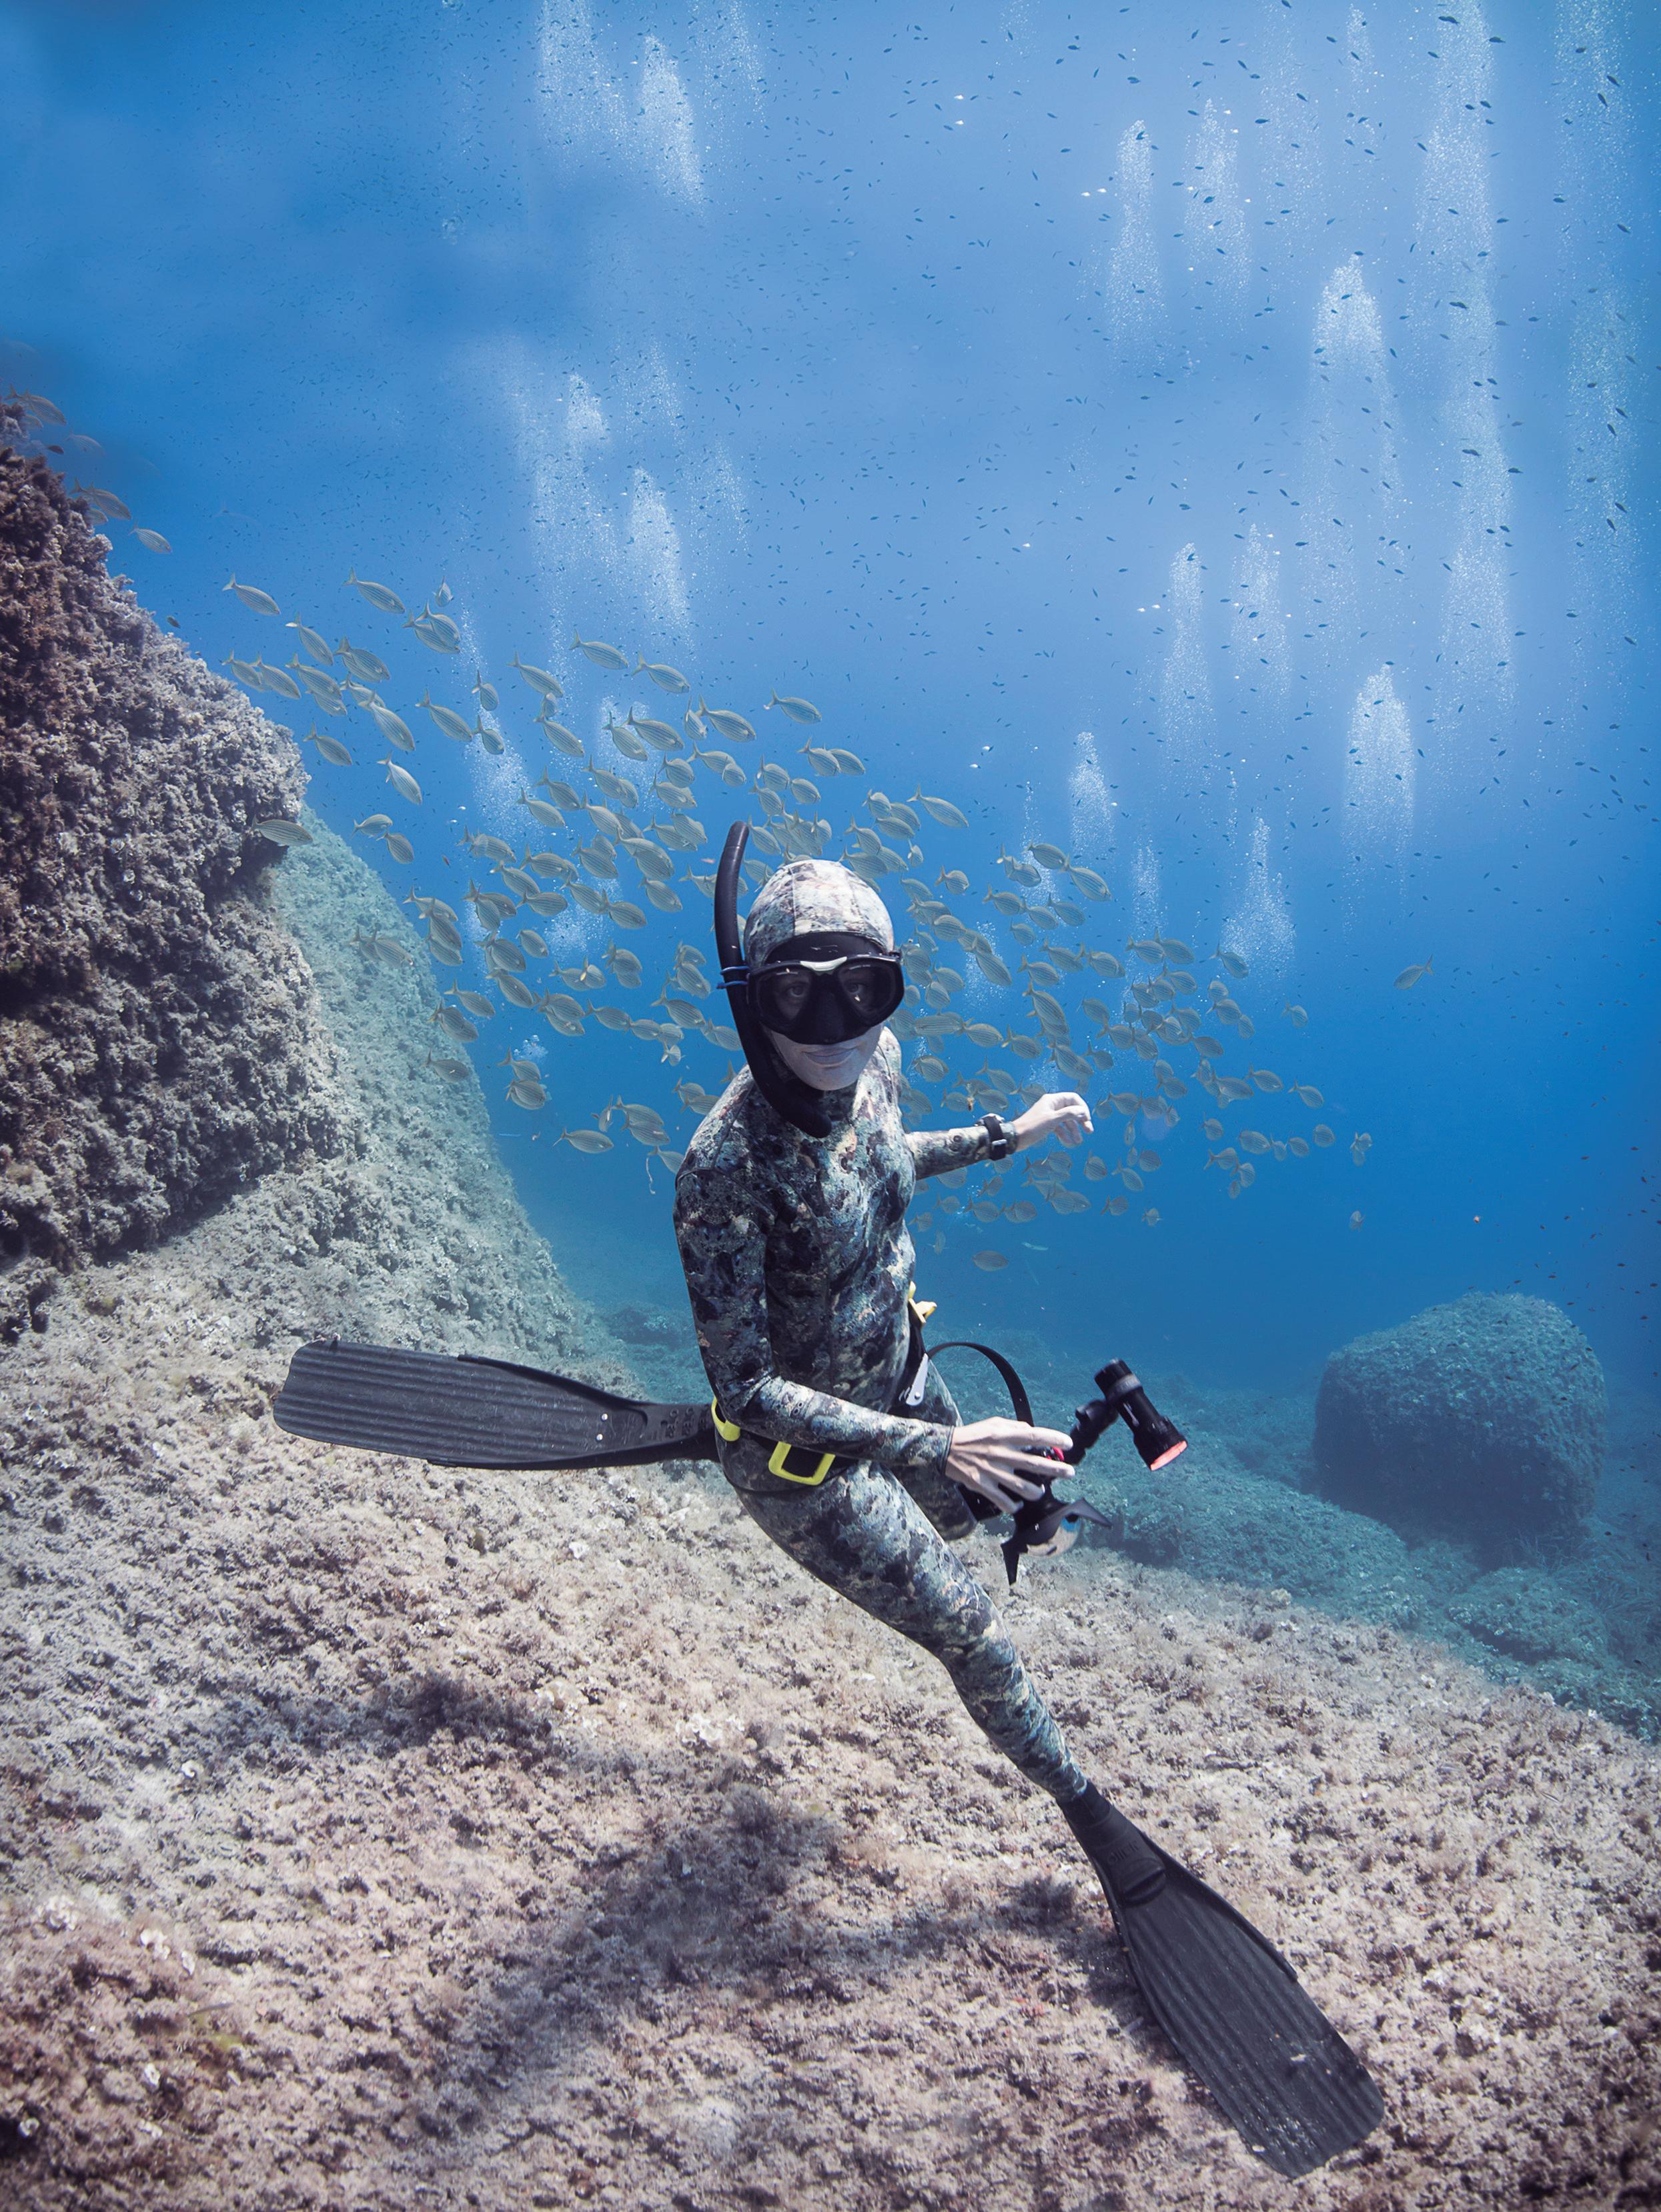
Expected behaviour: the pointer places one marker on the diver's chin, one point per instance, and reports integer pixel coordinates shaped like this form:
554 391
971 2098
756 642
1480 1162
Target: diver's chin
827 1067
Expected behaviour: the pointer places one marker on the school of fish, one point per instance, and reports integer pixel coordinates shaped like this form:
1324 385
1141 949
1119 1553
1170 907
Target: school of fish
613 845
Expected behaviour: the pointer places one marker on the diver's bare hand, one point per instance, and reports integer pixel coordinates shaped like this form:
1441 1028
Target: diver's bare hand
1063 1111
1003 1460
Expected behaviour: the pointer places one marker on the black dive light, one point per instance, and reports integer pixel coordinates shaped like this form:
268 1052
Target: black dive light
1158 1441
1046 1525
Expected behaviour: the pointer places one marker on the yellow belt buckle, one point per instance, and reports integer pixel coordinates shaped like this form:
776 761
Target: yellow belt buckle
728 1431
782 1451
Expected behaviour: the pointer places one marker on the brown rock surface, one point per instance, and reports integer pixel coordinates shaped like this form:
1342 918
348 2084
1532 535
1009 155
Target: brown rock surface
156 1025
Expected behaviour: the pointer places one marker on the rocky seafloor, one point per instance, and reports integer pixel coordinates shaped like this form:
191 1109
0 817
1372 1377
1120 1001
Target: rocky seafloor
379 1836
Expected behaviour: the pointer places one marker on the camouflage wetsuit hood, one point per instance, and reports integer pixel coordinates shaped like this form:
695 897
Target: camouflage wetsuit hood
799 1265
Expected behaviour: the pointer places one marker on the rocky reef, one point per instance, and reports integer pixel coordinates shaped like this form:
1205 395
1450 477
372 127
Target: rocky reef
1482 1421
158 1030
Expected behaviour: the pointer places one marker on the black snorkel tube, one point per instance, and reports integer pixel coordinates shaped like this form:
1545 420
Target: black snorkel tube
789 1098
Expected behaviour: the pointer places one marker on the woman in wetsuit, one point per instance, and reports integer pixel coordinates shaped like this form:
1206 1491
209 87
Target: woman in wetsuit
790 1215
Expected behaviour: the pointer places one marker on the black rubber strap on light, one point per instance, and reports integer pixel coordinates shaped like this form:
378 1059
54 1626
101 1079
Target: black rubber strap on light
1013 1383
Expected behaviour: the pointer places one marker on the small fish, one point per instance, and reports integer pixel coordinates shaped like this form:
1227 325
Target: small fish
1233 964
437 631
530 1095
732 727
1299 1147
262 603
539 679
373 825
848 763
323 689
1128 1177
548 815
617 788
1228 1159
443 595
1145 948
1253 1140
798 710
1265 1078
992 968
454 1023
486 694
602 655
402 782
278 680
1324 1136
661 736
476 1003
1307 1095
377 595
941 810
1356 1219
366 666
330 748
567 740
394 727
386 950
1298 1015
591 1141
448 719
152 541
991 1260
666 678
625 914
400 849
1048 856
1409 976
624 965
283 831
1117 1206
452 1071
314 642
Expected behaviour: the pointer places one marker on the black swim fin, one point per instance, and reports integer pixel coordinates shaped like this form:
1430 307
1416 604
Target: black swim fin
1236 2012
469 1411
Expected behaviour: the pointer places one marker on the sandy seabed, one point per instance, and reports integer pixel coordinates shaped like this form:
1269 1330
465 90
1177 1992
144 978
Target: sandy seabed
375 1835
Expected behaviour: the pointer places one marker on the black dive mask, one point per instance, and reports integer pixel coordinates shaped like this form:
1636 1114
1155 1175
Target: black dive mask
826 988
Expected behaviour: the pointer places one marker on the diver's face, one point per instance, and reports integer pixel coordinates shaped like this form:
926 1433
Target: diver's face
828 1067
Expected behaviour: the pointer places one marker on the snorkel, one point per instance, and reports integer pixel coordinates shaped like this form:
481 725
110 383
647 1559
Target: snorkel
789 1098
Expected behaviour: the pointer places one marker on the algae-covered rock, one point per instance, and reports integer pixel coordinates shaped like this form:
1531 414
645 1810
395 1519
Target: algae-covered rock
1527 1615
157 1024
1482 1420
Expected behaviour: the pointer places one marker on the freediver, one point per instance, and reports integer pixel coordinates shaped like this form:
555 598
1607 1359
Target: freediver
790 1216
840 1440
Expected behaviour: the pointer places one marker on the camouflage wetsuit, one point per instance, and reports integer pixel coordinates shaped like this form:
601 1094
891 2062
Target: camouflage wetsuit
798 1263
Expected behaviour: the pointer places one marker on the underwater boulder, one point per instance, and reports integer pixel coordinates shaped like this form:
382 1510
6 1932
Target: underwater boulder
1482 1421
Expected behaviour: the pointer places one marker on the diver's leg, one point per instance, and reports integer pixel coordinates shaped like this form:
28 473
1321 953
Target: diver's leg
863 1535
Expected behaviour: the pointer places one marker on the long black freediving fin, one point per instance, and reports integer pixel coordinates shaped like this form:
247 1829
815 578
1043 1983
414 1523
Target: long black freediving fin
471 1412
1236 2013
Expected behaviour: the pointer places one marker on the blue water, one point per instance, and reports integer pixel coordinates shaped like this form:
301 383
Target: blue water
1220 441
